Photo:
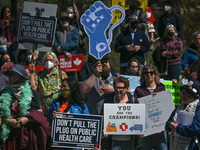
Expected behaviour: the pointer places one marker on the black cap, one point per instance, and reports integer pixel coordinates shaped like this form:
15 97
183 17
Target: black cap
190 87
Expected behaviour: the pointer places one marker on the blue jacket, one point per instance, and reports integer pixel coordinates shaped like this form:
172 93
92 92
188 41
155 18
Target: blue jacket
72 41
189 56
74 109
190 130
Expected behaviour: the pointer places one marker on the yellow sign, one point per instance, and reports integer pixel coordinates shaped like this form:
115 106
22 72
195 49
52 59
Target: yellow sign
143 5
117 13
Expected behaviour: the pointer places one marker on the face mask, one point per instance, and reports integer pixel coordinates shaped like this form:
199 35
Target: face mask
29 58
167 8
65 93
49 65
71 15
66 24
3 48
133 25
171 34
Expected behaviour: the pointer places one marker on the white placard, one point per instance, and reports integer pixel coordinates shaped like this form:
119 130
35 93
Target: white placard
158 109
124 119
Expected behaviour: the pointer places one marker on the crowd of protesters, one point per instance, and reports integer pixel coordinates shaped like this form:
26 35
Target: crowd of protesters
29 103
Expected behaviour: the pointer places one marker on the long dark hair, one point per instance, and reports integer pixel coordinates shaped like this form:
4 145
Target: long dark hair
3 9
75 91
12 58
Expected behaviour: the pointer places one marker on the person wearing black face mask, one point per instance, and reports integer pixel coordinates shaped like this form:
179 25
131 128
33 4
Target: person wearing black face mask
135 10
132 43
171 48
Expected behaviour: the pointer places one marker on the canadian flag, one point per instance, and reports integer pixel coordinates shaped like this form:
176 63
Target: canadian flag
150 16
76 10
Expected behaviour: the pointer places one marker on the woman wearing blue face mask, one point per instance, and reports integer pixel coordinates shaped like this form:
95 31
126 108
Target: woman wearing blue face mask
133 68
71 100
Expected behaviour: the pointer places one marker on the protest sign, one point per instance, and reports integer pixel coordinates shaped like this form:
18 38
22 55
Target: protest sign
117 13
158 109
37 26
124 119
36 29
96 20
76 131
175 91
134 82
71 65
37 69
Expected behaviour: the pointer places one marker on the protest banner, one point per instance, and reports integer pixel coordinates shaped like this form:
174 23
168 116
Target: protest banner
117 13
37 26
37 69
96 20
175 90
36 29
76 131
71 65
158 109
124 119
134 82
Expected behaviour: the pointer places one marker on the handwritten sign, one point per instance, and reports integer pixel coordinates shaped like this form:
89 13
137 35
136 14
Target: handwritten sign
124 119
34 29
37 69
76 131
158 109
134 82
175 91
72 65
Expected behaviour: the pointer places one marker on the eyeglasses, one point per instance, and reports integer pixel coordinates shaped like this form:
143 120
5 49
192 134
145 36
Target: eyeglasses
150 72
120 88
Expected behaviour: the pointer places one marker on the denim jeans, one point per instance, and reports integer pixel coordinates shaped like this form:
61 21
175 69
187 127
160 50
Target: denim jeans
156 140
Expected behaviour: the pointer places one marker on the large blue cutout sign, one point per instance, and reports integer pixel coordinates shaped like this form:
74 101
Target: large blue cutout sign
96 21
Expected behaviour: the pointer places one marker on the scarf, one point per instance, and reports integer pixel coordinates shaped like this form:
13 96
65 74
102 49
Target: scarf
182 143
6 100
6 29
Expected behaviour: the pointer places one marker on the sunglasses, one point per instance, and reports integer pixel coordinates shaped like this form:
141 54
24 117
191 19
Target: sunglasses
120 88
150 72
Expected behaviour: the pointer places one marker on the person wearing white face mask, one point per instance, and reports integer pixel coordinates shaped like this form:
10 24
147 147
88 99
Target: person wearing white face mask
170 17
47 82
66 38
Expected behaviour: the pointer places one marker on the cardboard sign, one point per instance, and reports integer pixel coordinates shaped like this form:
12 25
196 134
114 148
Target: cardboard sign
158 109
134 82
175 91
76 131
37 69
124 119
96 20
40 30
72 65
